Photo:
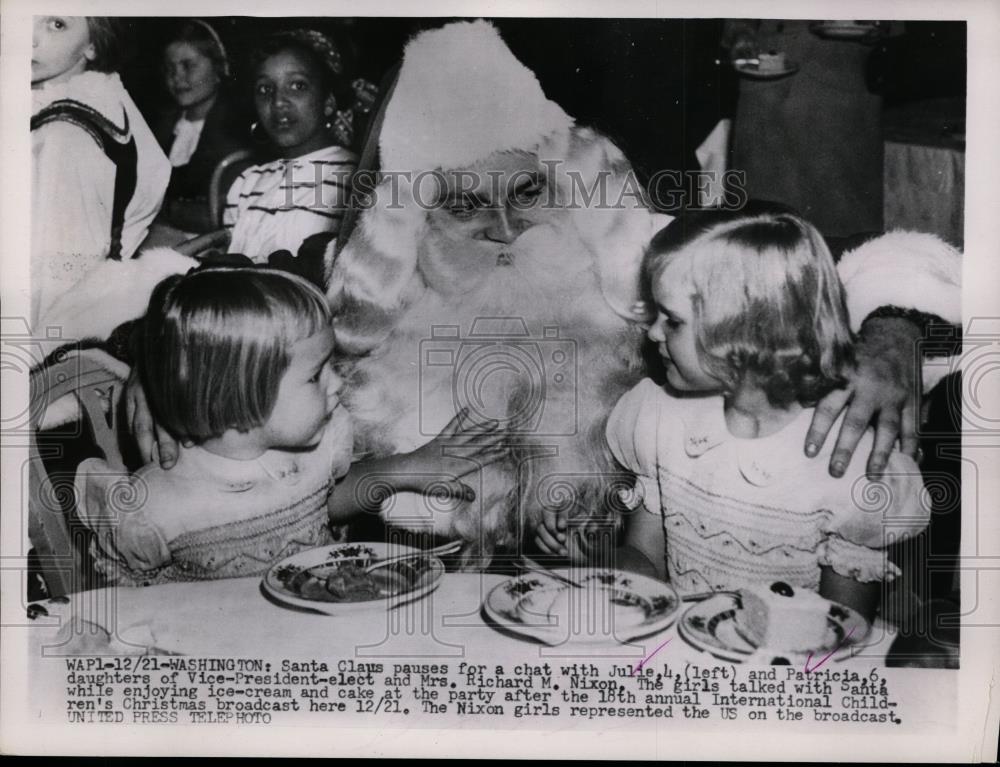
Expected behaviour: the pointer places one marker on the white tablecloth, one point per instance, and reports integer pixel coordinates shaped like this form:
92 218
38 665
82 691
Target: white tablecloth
233 618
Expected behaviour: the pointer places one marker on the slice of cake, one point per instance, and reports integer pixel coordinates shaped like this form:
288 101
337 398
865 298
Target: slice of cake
771 62
780 617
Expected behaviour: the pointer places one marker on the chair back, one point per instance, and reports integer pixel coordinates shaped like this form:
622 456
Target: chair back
225 173
60 542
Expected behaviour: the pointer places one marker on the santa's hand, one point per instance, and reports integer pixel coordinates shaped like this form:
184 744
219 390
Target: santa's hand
463 447
550 535
442 488
460 449
153 441
885 384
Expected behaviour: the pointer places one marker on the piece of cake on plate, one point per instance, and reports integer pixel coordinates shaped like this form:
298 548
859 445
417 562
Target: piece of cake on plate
771 62
780 617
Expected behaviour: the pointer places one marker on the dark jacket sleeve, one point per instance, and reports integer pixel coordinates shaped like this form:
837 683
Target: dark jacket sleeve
224 132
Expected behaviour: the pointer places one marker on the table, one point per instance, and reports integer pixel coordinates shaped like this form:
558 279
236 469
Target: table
233 618
925 168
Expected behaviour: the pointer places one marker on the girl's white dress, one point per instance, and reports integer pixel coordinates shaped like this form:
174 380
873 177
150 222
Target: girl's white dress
73 183
212 517
275 206
741 511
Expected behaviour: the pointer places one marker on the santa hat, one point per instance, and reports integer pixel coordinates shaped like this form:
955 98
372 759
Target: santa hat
461 95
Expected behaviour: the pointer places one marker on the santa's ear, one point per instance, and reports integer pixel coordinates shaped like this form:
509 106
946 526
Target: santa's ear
612 215
372 280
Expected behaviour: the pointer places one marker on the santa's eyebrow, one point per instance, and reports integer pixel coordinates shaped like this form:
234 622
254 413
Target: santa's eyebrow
456 197
664 310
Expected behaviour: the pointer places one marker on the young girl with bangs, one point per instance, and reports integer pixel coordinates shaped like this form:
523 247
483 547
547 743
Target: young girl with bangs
752 328
237 364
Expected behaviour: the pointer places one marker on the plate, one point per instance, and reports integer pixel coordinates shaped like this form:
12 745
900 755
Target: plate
753 71
300 580
612 607
845 30
709 626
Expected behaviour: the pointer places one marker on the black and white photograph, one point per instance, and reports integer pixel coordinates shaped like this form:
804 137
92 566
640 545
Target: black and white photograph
567 380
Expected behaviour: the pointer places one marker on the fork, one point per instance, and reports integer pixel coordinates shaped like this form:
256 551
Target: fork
527 563
445 548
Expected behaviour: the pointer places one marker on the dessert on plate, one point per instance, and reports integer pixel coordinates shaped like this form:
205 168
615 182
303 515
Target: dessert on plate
782 617
771 62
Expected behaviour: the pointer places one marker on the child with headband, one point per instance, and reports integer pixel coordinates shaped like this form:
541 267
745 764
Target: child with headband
203 126
303 101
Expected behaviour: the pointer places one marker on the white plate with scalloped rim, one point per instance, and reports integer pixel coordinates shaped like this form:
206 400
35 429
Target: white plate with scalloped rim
613 606
300 580
709 626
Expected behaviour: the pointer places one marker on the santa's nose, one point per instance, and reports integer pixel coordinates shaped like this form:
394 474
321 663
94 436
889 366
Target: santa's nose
505 227
655 333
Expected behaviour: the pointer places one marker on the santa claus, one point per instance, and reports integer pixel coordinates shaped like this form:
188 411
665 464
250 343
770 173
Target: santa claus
495 268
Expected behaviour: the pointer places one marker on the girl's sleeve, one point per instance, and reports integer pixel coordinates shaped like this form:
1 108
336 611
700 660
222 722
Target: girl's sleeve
72 190
113 506
868 515
631 430
632 435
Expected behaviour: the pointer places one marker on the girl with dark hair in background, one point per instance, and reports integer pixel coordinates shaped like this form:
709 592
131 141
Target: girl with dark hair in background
303 100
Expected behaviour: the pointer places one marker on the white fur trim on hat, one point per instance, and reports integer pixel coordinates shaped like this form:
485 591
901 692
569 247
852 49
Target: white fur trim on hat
461 95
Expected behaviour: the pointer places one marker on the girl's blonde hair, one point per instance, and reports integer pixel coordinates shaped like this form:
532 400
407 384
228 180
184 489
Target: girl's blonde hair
217 343
767 303
107 35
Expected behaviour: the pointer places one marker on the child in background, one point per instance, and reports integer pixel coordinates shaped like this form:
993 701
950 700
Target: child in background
753 330
203 125
98 174
303 100
237 364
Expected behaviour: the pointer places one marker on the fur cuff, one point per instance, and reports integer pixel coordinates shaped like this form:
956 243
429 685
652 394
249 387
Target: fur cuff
112 293
908 269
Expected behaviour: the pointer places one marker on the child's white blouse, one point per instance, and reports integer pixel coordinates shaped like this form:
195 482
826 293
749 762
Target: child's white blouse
740 511
73 184
277 205
212 517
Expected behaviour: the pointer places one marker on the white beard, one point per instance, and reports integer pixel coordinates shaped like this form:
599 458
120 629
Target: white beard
551 389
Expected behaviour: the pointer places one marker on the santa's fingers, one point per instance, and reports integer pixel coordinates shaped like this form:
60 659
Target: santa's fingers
457 424
486 445
549 543
462 466
550 535
485 432
449 488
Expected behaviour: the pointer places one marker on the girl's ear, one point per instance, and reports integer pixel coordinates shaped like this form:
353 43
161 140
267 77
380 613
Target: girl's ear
90 52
